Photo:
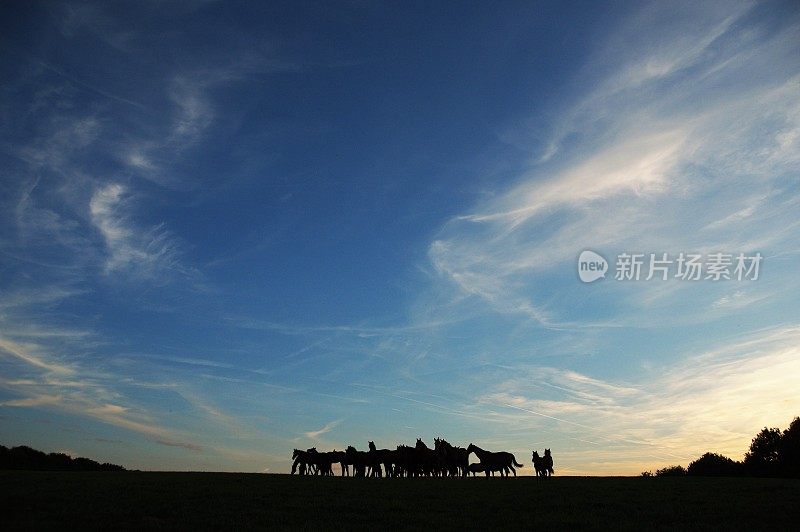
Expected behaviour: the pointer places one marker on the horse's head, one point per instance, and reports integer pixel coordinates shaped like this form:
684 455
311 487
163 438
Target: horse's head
535 455
295 454
312 450
471 449
350 449
547 452
372 446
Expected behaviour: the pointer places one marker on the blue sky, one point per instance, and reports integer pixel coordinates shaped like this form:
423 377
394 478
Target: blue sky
231 229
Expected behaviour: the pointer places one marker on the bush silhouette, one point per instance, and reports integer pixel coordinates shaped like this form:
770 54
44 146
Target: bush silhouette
24 457
671 471
714 465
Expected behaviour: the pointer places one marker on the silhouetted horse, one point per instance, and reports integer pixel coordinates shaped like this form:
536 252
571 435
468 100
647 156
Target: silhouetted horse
548 462
476 468
302 460
405 461
363 463
455 459
322 462
542 465
538 464
382 456
502 461
427 459
340 457
357 459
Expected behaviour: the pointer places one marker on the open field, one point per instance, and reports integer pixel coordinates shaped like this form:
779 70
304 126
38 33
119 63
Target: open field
219 500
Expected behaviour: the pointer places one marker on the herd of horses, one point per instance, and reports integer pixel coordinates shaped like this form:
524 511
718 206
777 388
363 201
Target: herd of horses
418 461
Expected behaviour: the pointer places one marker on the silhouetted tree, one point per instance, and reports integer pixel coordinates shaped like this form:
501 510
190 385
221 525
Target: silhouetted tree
111 467
59 461
23 457
671 471
85 464
789 451
762 458
714 465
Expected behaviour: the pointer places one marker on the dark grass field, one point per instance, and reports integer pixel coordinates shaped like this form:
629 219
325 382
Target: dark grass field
132 500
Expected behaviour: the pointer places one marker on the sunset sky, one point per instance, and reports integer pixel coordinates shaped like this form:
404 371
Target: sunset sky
229 229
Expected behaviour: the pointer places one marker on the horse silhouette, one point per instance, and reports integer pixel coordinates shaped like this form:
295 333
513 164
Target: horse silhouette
405 461
502 461
303 461
542 465
476 468
427 459
386 457
548 462
340 457
454 459
358 459
420 460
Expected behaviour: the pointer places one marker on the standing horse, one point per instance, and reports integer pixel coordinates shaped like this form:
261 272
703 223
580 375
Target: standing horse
502 461
427 459
383 456
455 459
302 460
358 459
543 465
406 461
548 462
538 465
322 462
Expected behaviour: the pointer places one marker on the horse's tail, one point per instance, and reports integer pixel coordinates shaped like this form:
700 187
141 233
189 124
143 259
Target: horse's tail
514 461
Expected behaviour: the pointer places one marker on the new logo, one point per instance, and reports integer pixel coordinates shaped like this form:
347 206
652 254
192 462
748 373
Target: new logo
591 266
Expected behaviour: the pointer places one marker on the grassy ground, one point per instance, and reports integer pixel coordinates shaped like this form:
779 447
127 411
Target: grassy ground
217 500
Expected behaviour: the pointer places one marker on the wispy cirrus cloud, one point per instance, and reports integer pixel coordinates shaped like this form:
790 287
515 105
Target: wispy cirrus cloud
636 154
314 434
139 252
28 353
33 401
189 446
717 398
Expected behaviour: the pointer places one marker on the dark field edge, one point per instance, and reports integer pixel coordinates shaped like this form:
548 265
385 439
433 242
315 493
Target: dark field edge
41 500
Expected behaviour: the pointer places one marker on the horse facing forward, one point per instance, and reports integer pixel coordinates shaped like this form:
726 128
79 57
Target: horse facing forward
543 465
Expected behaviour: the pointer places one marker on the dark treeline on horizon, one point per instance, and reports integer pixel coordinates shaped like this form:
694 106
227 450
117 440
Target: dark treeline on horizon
24 457
772 454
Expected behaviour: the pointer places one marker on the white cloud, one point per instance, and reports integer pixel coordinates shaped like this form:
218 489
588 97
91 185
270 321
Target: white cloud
680 166
639 164
712 401
142 253
33 401
27 354
314 434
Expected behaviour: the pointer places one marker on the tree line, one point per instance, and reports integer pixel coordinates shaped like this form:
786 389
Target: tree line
772 453
24 457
